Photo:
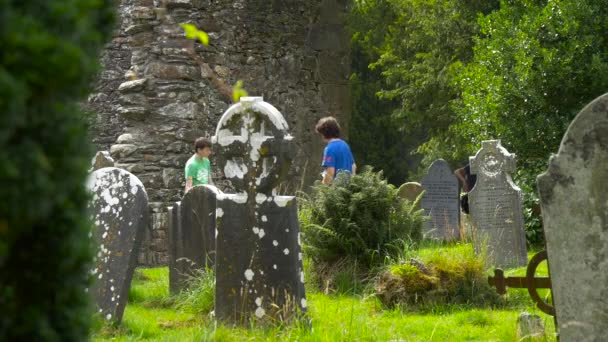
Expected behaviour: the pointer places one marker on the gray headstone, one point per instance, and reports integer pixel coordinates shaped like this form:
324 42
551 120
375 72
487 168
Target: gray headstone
191 235
102 159
410 191
574 201
120 212
440 202
259 273
496 206
530 328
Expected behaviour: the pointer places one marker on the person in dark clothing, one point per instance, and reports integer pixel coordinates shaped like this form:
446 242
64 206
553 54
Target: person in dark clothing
467 182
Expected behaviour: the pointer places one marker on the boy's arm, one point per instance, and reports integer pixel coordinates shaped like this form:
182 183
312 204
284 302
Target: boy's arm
188 183
189 177
354 169
329 175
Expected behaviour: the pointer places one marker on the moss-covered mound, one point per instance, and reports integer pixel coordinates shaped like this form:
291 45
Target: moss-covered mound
451 275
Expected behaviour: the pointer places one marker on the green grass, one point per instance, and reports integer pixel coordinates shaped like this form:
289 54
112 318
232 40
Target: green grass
152 315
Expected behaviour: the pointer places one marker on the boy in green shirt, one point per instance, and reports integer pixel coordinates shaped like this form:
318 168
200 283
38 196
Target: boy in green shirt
198 167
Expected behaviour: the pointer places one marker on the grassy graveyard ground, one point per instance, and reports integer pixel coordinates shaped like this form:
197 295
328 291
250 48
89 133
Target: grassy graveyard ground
152 314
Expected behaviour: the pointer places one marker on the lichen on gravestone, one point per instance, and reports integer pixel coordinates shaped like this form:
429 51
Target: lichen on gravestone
496 207
259 272
574 201
119 210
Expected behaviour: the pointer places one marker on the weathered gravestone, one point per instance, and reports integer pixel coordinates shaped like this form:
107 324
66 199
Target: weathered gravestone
410 191
496 206
120 211
191 235
259 273
440 202
574 202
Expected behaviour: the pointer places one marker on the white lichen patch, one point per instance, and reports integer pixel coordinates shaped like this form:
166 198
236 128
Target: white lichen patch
260 312
261 233
258 301
299 256
275 242
274 266
219 212
303 303
264 218
301 276
249 274
260 198
286 251
256 230
282 201
234 169
239 198
109 317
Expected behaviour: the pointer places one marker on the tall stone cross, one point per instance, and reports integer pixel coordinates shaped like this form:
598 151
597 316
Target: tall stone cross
496 206
259 273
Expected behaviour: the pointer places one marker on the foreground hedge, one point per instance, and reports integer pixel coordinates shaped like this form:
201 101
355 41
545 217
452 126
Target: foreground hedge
48 55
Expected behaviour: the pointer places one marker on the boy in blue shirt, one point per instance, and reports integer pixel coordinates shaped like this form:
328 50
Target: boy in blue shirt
338 160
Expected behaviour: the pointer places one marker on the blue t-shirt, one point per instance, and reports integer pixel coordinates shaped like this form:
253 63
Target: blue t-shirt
338 155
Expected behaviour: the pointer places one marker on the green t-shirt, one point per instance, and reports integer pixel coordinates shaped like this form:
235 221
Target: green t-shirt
199 170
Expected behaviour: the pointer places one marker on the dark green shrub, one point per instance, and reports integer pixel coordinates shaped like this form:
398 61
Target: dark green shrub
48 55
365 220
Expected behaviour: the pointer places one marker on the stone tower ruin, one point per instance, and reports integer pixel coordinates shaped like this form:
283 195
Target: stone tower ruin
158 91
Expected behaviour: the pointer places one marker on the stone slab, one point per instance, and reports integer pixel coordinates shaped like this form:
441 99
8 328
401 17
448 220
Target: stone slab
496 207
441 202
574 201
120 212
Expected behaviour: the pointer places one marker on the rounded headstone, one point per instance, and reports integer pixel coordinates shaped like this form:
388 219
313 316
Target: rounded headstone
410 191
119 210
574 201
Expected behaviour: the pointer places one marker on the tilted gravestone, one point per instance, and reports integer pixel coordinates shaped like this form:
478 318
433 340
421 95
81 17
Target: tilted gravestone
496 206
410 191
120 211
259 273
191 235
574 202
440 202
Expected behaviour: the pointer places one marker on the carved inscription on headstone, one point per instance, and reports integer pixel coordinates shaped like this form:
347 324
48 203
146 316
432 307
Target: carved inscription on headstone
440 202
496 206
259 273
120 212
574 201
192 235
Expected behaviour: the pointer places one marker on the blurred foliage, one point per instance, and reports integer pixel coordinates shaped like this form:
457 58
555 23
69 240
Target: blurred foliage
48 55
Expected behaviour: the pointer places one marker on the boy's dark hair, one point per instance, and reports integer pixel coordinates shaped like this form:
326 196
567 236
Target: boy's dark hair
201 143
328 127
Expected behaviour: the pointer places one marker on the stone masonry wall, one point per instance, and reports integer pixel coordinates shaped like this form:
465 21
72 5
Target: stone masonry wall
151 100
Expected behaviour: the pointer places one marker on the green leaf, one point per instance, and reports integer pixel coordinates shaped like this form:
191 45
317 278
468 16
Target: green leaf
238 91
193 33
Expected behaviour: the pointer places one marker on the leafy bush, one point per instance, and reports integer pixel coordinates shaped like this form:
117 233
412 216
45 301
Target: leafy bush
48 55
533 224
365 220
437 276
